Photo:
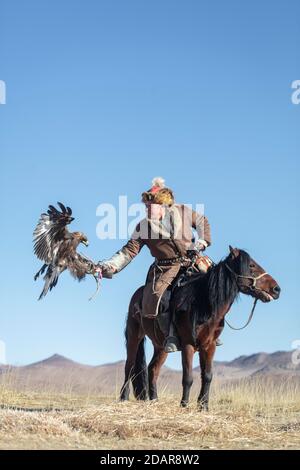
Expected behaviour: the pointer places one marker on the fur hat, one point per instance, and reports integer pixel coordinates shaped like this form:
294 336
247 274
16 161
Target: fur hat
158 193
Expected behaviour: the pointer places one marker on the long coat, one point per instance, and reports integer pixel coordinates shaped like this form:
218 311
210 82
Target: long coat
167 239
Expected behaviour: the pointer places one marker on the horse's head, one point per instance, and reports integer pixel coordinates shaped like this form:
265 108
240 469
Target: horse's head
251 278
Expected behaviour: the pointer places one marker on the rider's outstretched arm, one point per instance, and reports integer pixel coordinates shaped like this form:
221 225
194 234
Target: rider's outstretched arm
123 256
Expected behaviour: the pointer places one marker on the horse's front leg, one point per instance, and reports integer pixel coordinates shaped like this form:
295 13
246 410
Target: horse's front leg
206 357
187 355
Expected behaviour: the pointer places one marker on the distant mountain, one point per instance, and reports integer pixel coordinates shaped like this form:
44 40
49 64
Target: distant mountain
276 359
60 374
56 361
279 362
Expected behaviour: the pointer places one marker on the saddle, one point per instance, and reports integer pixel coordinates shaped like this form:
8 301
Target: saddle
201 264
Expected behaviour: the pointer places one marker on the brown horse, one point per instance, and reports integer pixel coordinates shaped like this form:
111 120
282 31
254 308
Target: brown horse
199 310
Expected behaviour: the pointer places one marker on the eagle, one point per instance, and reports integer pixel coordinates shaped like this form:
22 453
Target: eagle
56 247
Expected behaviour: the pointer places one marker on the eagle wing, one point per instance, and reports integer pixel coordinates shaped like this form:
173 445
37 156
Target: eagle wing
51 231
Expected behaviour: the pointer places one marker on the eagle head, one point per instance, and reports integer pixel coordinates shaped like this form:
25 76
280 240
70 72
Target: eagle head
81 237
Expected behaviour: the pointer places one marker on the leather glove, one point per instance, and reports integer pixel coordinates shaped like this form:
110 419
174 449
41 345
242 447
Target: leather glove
107 270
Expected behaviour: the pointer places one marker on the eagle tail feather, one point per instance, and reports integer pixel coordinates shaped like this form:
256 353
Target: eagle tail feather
50 278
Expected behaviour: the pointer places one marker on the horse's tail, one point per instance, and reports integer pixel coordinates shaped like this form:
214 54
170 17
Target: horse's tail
140 373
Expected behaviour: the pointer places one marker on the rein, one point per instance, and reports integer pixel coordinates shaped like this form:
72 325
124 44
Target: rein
252 287
248 321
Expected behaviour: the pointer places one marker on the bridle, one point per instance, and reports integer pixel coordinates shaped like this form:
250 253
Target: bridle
254 279
253 287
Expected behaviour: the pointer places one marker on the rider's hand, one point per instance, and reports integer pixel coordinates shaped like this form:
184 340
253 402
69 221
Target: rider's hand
107 270
200 245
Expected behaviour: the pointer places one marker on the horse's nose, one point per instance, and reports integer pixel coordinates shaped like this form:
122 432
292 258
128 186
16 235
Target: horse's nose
276 290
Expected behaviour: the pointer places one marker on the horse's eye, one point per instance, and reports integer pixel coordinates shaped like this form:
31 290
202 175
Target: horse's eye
252 265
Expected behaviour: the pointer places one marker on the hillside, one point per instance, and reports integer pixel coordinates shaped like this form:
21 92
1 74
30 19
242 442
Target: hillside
58 373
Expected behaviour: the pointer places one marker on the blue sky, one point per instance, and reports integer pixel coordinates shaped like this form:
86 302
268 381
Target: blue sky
104 95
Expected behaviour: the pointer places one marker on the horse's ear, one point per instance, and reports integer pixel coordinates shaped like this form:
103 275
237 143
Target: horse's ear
234 252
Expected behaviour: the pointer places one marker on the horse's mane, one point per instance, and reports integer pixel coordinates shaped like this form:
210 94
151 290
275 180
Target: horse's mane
218 287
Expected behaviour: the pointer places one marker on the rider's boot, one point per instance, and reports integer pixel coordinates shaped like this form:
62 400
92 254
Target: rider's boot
166 324
172 343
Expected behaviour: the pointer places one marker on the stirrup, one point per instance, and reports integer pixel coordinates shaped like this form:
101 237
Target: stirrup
171 344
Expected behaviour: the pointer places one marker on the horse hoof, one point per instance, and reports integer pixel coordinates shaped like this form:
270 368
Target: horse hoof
202 407
184 404
123 399
153 397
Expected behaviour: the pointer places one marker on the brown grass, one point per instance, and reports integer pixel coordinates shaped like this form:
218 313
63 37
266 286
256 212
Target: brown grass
260 413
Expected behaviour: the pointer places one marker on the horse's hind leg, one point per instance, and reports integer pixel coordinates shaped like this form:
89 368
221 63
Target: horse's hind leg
206 358
158 359
187 355
133 341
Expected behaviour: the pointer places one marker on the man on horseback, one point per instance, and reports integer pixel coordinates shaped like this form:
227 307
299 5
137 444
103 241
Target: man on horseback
167 232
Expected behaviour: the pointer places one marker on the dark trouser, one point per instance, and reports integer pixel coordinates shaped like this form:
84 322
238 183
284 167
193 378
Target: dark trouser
159 278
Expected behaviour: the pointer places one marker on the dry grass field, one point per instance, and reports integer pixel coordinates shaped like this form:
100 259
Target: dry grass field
249 414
